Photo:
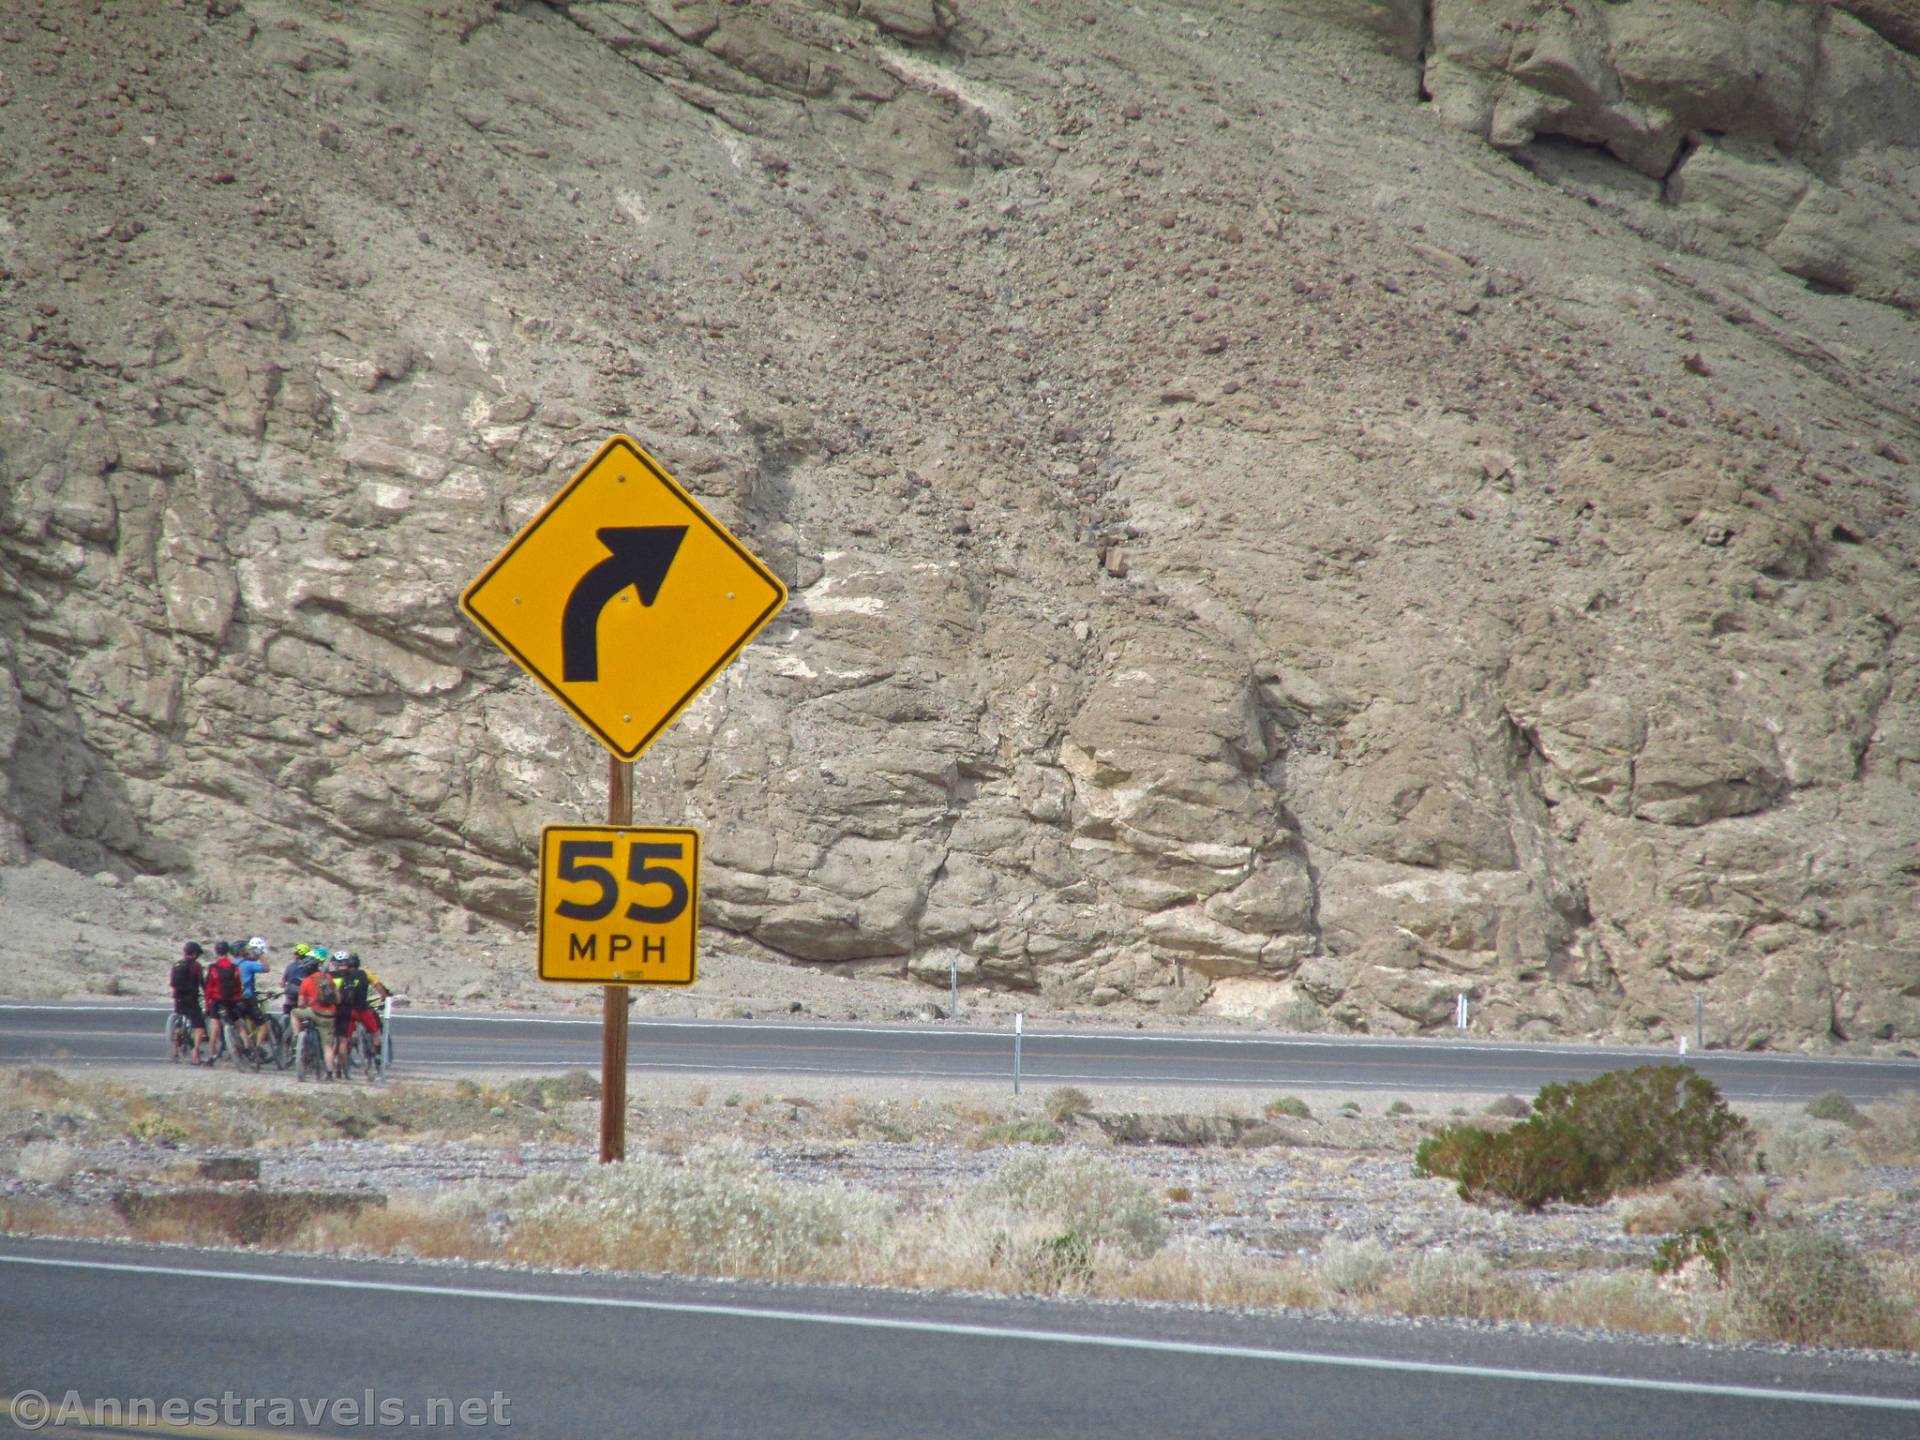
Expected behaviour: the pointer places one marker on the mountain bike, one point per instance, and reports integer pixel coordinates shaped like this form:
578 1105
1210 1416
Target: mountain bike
310 1055
247 1054
363 1055
179 1037
277 1041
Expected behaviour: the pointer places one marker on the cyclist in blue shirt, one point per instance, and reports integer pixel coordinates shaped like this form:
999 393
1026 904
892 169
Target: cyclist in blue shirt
253 964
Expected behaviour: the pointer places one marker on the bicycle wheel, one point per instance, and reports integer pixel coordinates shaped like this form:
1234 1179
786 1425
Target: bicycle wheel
307 1063
368 1045
280 1035
179 1037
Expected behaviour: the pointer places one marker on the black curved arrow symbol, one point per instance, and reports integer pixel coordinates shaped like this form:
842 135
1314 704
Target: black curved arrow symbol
640 556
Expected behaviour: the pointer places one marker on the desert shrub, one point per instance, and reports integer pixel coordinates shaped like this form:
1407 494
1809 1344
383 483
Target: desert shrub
40 1082
1702 1244
1303 1015
1892 1132
1833 1105
1510 1107
543 1092
1691 1203
719 1211
1081 1192
1400 1107
158 1129
1291 1106
1800 1144
1352 1267
1458 1282
1047 1263
1614 1300
46 1162
1806 1288
1591 1140
1021 1132
1067 1103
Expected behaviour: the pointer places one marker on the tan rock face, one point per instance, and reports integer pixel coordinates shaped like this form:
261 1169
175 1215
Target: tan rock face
1789 128
1244 534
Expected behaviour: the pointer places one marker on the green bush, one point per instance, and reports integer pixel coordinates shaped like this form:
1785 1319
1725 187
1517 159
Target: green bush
1510 1106
1289 1105
1832 1105
158 1129
1591 1140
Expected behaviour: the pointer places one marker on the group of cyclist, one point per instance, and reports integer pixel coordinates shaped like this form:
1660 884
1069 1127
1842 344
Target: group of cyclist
225 997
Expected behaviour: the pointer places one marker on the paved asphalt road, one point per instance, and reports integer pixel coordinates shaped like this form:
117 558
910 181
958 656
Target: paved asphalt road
575 1355
447 1042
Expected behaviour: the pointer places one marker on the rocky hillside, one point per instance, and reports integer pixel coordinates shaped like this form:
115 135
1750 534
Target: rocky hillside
1313 505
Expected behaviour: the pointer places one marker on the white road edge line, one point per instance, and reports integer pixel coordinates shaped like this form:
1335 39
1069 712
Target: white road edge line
990 1332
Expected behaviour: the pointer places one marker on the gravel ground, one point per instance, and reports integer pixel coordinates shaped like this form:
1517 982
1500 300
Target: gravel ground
1298 1184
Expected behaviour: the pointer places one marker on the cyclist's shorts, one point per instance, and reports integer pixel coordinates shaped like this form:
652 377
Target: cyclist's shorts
314 1017
224 1010
367 1018
191 1009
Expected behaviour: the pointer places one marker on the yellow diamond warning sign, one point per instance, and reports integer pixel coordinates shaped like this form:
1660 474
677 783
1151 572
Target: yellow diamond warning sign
619 904
623 597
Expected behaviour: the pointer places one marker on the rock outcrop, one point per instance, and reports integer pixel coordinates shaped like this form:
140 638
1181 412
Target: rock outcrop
1246 536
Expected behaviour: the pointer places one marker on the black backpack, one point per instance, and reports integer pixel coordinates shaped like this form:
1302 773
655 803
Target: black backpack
353 988
184 979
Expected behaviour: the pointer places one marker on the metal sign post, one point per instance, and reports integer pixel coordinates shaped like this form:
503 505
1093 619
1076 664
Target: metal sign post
613 1022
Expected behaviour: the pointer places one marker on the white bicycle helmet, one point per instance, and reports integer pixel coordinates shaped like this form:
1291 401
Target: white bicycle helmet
258 945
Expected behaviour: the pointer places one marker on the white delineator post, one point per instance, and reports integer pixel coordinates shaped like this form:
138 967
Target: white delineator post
953 988
1460 1011
386 1033
1019 1024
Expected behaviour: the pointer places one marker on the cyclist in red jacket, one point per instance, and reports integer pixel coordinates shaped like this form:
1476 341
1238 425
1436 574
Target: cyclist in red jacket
224 993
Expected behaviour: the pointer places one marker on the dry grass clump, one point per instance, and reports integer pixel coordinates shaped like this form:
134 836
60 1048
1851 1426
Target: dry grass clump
1067 1221
1079 1191
1068 1104
1458 1283
1891 1135
1352 1268
1806 1288
1614 1300
1800 1144
1290 1106
44 1215
409 1228
1208 1272
717 1212
1017 1132
1691 1202
46 1162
